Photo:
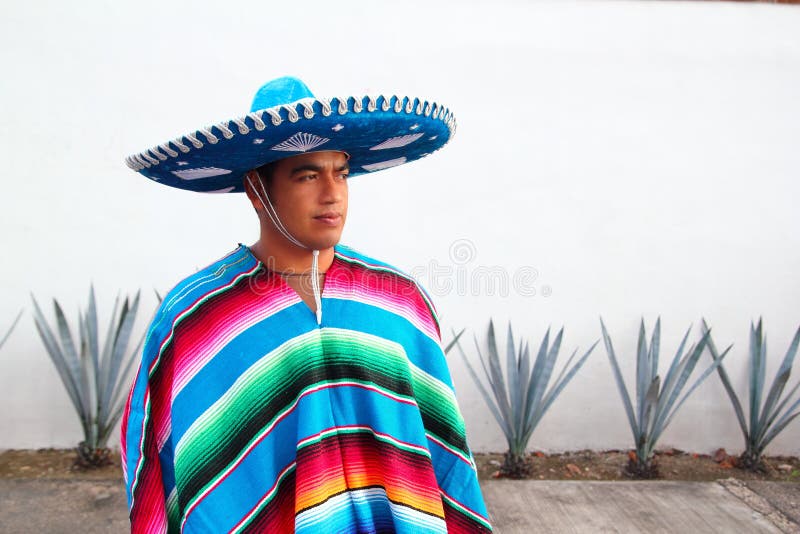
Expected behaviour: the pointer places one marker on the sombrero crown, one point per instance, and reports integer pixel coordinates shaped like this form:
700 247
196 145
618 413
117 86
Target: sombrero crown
286 119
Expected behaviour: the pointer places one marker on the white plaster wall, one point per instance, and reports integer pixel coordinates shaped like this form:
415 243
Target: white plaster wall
642 157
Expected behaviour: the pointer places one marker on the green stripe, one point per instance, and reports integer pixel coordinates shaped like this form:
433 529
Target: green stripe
478 519
173 514
270 375
255 438
437 401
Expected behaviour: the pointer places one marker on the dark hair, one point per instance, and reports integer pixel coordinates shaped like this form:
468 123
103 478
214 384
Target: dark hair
266 171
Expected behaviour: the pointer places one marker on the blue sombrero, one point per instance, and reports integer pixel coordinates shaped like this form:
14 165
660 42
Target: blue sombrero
286 119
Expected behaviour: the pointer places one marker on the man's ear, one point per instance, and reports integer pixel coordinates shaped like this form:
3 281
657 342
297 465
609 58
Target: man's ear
251 179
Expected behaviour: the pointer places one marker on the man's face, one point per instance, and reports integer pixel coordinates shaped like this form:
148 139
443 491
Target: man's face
309 193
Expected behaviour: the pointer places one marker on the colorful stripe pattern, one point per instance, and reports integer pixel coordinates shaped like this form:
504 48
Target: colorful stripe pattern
248 416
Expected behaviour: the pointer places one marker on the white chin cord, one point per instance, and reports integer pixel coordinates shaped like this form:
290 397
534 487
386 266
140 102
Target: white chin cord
273 215
315 284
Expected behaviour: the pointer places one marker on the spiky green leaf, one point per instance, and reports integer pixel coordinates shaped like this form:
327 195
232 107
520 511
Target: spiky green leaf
450 345
674 370
676 378
57 357
92 336
497 382
650 402
769 411
782 423
757 373
665 410
623 390
11 329
486 396
726 381
512 373
655 347
563 380
67 344
714 365
120 348
777 413
535 377
541 381
524 366
108 344
643 372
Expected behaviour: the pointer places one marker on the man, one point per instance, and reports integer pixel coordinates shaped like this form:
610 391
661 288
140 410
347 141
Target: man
297 385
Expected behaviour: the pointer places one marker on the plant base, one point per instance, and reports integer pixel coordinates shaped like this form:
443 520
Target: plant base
641 470
516 466
90 458
751 462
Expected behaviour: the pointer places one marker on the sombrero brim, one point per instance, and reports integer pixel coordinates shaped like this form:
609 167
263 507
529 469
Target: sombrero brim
377 133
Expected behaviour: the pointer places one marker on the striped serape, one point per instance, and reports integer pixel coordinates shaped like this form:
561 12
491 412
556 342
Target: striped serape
246 415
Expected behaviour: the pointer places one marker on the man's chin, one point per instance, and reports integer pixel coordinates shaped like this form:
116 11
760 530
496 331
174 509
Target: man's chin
323 243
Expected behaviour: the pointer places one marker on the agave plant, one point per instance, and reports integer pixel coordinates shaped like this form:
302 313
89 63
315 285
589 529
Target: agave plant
94 378
655 405
520 399
453 341
767 418
5 337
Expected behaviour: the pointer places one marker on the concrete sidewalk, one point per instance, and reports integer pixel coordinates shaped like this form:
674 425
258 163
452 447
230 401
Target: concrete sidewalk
63 506
652 507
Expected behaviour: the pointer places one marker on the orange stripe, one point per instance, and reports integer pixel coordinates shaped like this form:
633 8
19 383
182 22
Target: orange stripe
312 491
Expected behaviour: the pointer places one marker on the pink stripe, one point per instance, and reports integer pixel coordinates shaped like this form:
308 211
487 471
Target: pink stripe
162 433
205 348
188 311
162 428
401 274
157 523
140 448
398 304
373 266
124 426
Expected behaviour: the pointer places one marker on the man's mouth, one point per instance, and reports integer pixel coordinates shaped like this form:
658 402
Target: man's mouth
331 218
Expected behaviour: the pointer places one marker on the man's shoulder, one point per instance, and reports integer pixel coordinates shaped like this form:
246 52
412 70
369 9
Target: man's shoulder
208 280
373 265
352 255
399 281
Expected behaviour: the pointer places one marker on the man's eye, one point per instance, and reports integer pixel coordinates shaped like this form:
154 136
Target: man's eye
307 177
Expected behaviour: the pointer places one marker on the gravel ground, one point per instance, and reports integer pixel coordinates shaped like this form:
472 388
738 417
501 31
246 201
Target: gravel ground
783 496
98 506
62 506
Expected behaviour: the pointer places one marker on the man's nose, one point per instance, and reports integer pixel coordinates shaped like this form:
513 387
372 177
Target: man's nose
332 186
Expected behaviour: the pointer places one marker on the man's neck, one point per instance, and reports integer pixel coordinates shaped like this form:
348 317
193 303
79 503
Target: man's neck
289 258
